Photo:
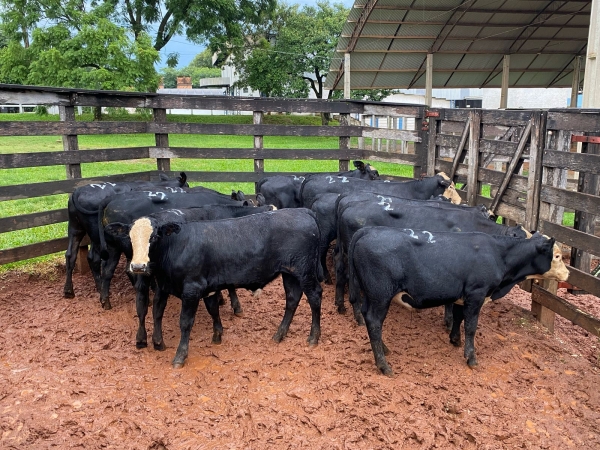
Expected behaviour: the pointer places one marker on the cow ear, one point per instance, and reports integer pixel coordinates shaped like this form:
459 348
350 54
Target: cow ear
233 195
241 196
359 165
168 229
261 200
182 179
117 229
163 176
445 183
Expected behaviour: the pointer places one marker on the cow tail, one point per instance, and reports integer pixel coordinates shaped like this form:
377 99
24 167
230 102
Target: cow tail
103 247
317 250
354 288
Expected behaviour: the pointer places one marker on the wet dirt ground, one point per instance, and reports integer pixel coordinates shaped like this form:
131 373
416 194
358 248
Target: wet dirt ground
71 377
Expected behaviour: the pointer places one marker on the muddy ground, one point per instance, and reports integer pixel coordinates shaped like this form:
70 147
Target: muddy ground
71 377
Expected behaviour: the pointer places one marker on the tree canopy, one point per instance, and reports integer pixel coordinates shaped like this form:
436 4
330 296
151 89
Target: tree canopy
200 67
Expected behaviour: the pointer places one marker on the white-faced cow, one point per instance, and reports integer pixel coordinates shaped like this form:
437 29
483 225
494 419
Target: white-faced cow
83 219
194 260
423 269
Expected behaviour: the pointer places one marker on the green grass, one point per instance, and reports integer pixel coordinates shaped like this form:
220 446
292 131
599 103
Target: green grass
28 144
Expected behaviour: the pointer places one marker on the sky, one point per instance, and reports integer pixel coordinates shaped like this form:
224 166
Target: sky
187 50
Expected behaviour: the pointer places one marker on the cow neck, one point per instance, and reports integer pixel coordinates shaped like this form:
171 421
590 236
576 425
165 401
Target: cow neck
518 259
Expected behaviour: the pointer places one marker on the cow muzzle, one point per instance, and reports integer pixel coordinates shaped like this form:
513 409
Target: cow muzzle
140 269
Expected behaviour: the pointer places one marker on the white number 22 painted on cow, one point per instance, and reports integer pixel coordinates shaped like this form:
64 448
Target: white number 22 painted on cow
162 195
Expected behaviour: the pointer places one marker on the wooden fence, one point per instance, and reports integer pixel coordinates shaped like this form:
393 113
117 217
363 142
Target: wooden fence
525 157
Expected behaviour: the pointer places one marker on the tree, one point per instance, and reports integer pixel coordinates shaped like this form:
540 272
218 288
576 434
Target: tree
374 95
199 20
200 67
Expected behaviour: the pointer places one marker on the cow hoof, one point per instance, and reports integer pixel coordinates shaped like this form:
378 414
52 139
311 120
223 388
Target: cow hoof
106 305
177 365
216 340
456 342
221 301
341 309
328 281
160 347
472 363
69 294
238 312
313 341
278 337
387 371
141 344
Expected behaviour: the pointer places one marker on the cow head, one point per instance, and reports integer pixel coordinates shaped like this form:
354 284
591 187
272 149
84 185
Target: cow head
182 178
548 249
367 171
450 191
241 197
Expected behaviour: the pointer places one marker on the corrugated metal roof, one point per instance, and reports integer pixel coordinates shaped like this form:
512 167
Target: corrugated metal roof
388 41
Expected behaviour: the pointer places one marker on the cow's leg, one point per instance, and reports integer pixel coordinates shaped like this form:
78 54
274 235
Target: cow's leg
212 306
95 264
293 293
158 310
108 270
340 281
448 317
76 235
471 313
141 284
235 302
356 300
457 318
374 313
189 307
323 249
314 293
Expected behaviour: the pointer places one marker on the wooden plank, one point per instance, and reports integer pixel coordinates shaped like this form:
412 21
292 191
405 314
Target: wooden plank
497 147
571 237
473 186
161 139
264 153
30 190
434 126
386 133
534 179
584 162
396 158
37 219
393 110
556 177
487 176
344 144
37 159
458 156
588 122
491 116
33 250
566 310
511 212
510 170
421 148
585 281
572 200
79 128
70 144
259 163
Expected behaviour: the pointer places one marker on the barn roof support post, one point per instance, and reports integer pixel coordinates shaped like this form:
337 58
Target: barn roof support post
429 80
344 164
259 164
576 81
474 186
591 78
70 144
504 88
346 75
161 139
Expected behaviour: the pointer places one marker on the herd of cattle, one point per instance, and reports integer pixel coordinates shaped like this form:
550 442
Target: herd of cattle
409 242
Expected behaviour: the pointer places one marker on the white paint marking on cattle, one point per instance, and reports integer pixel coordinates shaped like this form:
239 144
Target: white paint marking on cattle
101 186
344 179
398 299
330 178
176 189
177 211
162 195
140 233
384 199
299 178
386 181
430 239
412 233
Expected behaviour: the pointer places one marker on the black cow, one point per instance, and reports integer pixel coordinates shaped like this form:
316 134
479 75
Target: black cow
323 207
83 219
362 171
283 191
420 269
193 260
356 211
125 208
423 189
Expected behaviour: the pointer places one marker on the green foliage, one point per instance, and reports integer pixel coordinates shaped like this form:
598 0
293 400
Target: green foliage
41 110
291 53
200 67
375 95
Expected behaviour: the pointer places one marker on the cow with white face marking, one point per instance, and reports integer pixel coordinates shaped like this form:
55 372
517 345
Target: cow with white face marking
83 208
126 208
358 210
194 260
387 264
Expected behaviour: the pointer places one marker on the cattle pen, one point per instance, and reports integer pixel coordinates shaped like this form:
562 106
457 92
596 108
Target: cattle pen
531 151
535 164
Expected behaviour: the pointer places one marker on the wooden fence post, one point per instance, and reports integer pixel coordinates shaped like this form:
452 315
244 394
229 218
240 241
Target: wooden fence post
344 164
363 123
259 164
431 147
70 143
162 140
534 188
421 127
473 186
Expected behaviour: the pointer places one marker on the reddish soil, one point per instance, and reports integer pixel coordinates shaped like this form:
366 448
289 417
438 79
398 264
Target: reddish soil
72 377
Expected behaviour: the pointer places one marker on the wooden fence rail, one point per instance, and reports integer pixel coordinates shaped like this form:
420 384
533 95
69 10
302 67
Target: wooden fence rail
516 162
